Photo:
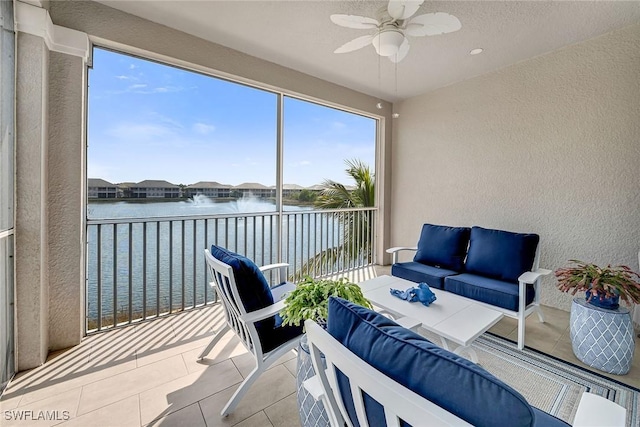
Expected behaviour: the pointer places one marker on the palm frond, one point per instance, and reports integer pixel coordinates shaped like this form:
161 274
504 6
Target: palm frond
356 227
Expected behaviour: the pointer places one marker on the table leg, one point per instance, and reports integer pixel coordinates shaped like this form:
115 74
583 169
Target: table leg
473 356
445 344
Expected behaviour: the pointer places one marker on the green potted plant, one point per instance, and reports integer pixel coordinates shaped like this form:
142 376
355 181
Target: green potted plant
310 299
604 286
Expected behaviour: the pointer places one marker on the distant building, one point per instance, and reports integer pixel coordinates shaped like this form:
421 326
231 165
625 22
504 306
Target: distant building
210 189
148 189
289 190
317 187
154 189
124 189
249 189
101 189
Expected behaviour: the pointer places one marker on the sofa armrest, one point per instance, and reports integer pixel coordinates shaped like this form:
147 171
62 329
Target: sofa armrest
530 277
397 249
594 410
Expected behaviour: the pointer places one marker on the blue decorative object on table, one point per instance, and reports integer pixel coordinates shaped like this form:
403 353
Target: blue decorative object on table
420 293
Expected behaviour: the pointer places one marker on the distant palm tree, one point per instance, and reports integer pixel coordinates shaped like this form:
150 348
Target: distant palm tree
356 227
337 196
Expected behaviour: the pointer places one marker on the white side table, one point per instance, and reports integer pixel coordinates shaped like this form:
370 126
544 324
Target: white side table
603 339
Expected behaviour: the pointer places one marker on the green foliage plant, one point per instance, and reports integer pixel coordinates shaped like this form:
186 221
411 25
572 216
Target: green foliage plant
310 299
605 282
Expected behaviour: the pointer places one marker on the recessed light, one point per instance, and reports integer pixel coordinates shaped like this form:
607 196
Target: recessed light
476 51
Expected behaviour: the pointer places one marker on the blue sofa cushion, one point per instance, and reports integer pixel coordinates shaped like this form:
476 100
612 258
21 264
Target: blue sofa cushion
545 420
450 381
417 272
255 294
484 289
442 246
500 254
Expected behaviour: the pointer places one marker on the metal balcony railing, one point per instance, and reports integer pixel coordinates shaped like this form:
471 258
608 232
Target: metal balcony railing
142 268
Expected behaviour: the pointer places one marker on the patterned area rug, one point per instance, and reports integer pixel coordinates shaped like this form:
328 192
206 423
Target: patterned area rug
550 384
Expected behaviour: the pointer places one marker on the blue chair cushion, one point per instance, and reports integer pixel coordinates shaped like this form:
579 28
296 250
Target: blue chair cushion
255 294
491 291
450 381
417 272
442 246
500 254
253 288
271 338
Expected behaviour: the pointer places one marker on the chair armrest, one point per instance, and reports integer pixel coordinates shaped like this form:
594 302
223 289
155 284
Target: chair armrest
263 313
530 277
397 249
272 266
282 266
594 410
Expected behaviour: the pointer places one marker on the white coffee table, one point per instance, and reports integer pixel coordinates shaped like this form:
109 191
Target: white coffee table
452 317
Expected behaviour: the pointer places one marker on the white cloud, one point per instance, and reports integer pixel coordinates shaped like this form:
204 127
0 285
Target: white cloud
304 163
165 119
160 89
203 128
137 86
338 125
121 77
135 132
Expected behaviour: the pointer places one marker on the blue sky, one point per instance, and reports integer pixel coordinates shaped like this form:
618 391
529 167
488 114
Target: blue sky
151 121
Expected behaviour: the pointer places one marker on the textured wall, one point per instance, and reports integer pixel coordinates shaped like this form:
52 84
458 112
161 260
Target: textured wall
31 203
550 145
66 171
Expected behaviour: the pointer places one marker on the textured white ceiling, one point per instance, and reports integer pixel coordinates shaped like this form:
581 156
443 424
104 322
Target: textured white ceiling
299 35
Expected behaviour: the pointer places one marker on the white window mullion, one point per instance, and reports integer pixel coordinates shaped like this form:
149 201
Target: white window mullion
279 171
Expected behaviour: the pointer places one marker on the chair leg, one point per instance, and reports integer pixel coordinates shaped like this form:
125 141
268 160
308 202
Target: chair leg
214 341
540 314
241 391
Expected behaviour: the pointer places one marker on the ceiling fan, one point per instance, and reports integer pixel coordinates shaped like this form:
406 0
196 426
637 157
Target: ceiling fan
392 26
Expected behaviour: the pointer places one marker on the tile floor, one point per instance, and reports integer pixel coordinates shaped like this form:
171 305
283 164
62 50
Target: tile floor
148 375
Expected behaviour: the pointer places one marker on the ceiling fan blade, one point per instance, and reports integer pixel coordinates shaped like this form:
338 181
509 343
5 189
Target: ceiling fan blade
403 9
354 44
402 52
432 24
354 21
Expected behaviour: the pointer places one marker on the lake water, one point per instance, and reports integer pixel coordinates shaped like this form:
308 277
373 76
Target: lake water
159 265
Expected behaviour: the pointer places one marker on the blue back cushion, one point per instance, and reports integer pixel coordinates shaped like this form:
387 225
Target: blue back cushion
253 288
442 246
450 381
501 254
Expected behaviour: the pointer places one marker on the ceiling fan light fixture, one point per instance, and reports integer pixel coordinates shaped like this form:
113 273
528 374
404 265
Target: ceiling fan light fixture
387 42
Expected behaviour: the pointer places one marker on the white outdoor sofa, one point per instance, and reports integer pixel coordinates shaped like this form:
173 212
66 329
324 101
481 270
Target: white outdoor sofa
493 267
374 371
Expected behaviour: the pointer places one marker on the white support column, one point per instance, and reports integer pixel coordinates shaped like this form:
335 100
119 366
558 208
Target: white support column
49 252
